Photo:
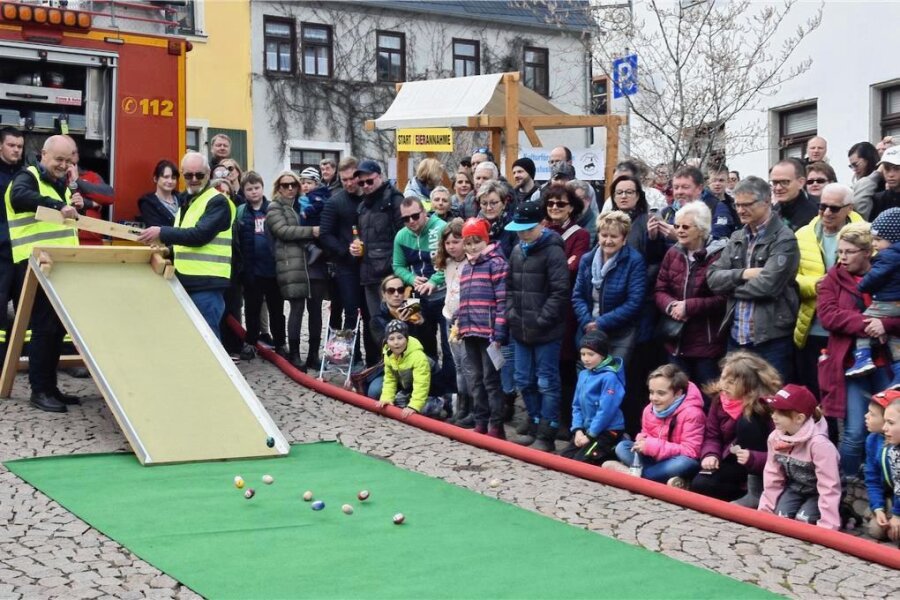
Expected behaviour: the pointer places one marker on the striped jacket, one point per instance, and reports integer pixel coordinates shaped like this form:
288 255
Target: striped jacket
482 296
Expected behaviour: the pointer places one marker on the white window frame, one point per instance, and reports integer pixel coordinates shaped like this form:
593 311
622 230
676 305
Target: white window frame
342 148
203 126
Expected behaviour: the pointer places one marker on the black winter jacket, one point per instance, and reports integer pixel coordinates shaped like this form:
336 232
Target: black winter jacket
153 212
537 291
336 229
379 222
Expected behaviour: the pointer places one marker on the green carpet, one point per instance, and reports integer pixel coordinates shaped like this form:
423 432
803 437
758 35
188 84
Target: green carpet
191 522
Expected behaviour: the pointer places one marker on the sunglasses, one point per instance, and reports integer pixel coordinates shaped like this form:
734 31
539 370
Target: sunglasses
853 165
231 169
390 291
831 208
197 176
366 182
557 204
288 184
817 181
481 150
411 218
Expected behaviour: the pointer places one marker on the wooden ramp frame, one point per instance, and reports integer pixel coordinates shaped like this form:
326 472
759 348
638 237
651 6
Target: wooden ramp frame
170 385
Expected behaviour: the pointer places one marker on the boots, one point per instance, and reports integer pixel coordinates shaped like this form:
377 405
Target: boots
754 491
509 406
463 416
862 363
497 431
527 433
312 357
546 436
294 355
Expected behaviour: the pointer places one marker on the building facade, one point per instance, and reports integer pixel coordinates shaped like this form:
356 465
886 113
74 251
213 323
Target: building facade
321 69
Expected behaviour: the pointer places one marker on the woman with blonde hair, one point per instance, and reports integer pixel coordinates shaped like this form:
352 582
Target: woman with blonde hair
733 453
429 174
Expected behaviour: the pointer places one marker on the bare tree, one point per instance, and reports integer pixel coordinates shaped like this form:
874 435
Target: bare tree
701 64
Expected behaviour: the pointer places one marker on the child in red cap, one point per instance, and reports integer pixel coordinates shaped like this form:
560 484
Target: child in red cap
801 480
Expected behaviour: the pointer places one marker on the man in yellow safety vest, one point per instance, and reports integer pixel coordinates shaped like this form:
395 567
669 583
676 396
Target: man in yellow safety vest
46 184
200 240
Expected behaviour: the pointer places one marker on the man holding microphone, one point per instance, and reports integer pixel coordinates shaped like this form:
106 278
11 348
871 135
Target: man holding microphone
46 184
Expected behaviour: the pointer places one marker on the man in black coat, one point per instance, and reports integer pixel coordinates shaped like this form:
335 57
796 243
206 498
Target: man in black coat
537 297
793 205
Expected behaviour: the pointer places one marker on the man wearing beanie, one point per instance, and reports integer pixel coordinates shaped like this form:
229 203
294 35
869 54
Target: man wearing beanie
883 283
523 175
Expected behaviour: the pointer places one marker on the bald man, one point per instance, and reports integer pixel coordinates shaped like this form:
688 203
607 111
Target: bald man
46 184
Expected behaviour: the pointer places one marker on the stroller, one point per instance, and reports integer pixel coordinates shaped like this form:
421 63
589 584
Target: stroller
337 352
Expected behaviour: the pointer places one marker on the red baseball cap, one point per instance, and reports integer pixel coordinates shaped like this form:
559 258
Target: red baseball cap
794 397
884 398
477 228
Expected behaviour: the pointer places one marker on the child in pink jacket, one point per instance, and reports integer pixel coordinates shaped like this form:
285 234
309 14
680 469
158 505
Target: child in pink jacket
671 430
801 480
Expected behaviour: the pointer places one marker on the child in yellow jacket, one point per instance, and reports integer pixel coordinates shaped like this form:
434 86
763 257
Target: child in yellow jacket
407 370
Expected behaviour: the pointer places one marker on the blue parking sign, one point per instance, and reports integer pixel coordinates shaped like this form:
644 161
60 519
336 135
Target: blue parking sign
624 72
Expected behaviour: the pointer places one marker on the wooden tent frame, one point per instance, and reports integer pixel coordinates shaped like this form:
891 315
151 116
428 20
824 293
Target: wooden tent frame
505 130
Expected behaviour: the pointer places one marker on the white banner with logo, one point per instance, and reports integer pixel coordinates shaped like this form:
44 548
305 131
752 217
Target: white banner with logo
589 163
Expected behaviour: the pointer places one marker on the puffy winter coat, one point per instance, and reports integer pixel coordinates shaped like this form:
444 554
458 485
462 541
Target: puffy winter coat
680 279
622 292
807 463
379 222
411 372
840 308
773 292
810 273
482 296
679 434
291 271
597 404
721 432
537 291
883 279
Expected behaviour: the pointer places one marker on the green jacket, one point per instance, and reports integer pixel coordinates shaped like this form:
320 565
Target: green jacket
411 371
414 254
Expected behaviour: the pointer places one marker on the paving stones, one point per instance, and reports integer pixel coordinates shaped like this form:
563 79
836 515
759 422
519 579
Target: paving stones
46 551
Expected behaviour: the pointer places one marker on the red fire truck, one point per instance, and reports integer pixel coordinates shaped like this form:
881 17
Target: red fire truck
95 71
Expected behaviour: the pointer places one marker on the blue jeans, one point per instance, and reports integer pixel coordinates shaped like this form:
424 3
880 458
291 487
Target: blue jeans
537 377
661 471
778 352
859 392
211 304
508 370
375 387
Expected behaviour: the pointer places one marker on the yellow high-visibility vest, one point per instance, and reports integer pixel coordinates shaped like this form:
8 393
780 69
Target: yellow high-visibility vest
213 259
26 232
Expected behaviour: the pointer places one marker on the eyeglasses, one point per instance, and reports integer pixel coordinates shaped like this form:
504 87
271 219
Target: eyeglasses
623 193
231 169
849 252
832 208
817 181
412 217
744 205
367 182
288 185
683 227
491 204
854 165
390 291
780 182
197 176
557 204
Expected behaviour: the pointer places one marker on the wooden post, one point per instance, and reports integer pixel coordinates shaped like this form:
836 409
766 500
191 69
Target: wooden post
17 334
402 170
612 151
511 89
496 146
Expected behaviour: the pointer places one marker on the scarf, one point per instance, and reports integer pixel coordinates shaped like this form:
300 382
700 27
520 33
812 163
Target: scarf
526 246
662 414
732 406
599 268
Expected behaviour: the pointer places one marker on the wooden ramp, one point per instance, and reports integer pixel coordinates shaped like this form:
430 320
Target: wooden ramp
167 380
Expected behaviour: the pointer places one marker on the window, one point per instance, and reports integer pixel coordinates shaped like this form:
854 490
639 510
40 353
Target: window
184 13
707 142
600 95
890 111
279 43
466 58
302 158
536 73
317 60
796 127
192 139
390 56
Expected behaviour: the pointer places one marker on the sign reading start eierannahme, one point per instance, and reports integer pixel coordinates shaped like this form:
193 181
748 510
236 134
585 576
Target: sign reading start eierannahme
435 139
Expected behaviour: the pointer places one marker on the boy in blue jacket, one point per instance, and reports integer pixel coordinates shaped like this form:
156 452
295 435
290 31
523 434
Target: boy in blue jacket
883 283
879 476
597 421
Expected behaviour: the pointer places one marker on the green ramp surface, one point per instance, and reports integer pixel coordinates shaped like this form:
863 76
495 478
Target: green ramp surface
190 521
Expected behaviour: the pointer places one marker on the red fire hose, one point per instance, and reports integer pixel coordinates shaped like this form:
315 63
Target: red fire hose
842 542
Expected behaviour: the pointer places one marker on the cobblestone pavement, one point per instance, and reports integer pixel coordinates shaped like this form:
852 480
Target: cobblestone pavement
45 551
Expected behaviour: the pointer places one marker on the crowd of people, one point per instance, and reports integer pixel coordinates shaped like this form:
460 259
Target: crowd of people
735 336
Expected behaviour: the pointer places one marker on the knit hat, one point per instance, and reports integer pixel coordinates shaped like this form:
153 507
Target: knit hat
794 397
527 164
884 399
887 225
476 227
595 341
396 326
311 173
